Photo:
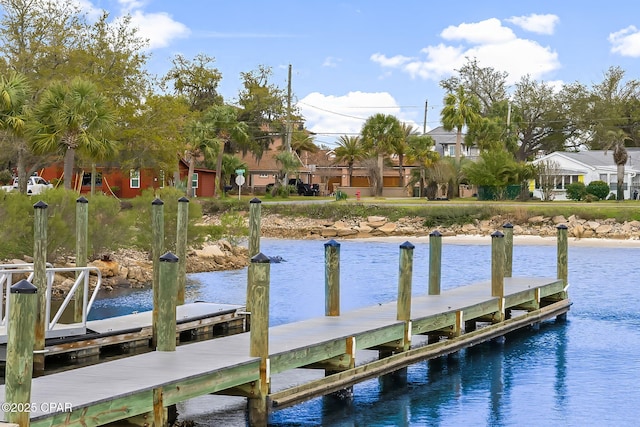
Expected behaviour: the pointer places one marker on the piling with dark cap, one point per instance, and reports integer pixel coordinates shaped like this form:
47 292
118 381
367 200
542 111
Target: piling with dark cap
40 282
254 226
405 277
260 268
332 278
563 257
82 244
181 247
435 262
157 249
20 340
508 249
166 325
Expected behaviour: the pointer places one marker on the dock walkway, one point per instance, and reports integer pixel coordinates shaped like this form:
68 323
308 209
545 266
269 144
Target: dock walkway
141 384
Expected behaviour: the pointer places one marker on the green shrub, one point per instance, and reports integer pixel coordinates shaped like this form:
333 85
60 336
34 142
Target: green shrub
600 189
576 191
6 178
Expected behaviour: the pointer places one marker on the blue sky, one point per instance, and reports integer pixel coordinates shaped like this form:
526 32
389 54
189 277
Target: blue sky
352 59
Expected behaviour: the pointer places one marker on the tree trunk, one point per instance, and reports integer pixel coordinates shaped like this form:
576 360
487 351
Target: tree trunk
380 183
458 144
401 169
218 182
192 166
69 160
620 185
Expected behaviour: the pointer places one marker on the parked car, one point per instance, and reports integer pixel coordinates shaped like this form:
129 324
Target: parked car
35 185
302 188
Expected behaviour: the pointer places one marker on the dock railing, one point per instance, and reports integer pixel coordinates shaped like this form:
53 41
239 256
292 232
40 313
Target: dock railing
7 272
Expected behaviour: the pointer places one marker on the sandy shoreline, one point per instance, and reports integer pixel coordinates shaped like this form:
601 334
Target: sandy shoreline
517 240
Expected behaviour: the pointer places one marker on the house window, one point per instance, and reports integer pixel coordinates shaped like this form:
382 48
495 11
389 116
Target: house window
86 179
194 180
452 150
264 175
134 178
603 177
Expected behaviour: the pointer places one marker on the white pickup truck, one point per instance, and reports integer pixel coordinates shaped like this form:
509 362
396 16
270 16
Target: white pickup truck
35 185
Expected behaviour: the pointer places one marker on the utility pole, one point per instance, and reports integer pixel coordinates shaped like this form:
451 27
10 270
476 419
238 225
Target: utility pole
289 127
289 124
424 126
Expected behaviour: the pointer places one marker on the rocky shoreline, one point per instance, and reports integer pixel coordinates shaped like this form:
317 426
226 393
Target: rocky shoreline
129 268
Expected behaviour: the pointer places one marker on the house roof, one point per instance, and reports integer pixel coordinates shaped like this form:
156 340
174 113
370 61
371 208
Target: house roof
596 159
443 137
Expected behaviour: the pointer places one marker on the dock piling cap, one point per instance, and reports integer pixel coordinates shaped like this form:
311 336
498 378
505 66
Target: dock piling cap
23 287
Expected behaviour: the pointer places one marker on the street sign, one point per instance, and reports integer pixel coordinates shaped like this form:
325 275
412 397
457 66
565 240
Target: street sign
240 180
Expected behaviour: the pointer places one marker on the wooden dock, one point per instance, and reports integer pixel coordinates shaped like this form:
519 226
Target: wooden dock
132 333
142 387
148 383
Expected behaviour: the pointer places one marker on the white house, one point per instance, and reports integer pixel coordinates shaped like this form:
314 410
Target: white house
587 166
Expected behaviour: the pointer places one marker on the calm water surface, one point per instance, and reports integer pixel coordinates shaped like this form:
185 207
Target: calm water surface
582 372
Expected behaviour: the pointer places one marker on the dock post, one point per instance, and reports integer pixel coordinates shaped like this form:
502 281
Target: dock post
260 269
332 278
254 226
435 262
563 262
20 340
181 247
508 249
82 233
497 272
166 326
40 282
405 277
157 245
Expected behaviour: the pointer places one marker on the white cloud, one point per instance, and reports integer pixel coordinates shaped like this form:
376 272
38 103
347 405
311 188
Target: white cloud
393 62
540 24
159 28
330 61
333 116
488 42
626 42
487 31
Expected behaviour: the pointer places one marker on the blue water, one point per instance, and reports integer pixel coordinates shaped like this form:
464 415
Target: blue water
582 372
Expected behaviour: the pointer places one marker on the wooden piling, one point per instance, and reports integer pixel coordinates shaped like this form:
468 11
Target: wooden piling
157 249
435 262
260 268
332 278
181 247
563 257
20 340
40 282
497 271
254 226
405 276
166 326
82 244
508 249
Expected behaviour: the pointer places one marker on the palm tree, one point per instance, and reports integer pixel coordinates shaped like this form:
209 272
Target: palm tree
615 140
73 117
460 109
349 150
400 148
200 142
379 134
14 93
420 151
288 163
223 119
